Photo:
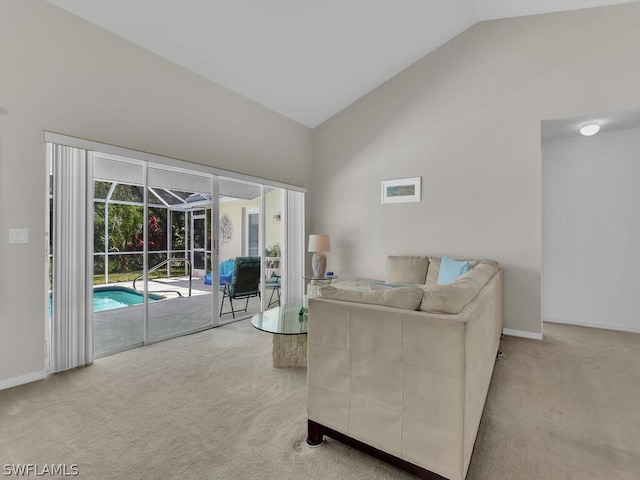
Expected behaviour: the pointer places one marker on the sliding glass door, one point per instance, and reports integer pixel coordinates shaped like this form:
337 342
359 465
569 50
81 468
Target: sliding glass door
144 251
239 234
253 223
273 254
179 286
118 256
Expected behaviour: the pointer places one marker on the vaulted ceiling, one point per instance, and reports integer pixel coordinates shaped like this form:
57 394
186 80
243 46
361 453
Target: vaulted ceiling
305 59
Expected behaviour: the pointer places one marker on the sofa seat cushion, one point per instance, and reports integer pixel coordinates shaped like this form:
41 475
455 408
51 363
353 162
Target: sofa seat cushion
407 298
358 283
454 296
381 286
406 270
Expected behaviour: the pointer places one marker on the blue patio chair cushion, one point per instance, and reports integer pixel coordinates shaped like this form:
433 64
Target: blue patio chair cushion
227 267
226 271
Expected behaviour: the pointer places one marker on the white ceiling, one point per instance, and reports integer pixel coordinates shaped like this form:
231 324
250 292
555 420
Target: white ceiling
305 59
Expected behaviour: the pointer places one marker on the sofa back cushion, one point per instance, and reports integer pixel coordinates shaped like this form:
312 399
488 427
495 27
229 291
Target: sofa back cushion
408 298
453 297
406 270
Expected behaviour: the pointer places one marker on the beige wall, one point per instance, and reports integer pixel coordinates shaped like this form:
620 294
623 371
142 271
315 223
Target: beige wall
65 75
467 119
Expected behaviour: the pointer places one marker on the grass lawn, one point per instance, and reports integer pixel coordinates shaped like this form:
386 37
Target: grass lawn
131 276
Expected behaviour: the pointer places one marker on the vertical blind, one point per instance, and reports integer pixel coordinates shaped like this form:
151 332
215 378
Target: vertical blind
294 254
72 297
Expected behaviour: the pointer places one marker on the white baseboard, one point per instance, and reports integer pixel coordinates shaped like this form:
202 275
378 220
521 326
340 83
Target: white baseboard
522 333
22 379
604 326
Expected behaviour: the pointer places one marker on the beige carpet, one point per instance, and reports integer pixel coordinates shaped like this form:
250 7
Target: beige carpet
210 406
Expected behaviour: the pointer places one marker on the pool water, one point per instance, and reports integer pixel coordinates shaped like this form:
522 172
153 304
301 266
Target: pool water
107 298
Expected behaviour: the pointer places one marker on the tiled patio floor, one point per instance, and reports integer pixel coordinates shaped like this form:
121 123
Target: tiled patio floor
122 328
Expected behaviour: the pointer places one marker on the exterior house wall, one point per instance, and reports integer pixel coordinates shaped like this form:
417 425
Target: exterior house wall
235 211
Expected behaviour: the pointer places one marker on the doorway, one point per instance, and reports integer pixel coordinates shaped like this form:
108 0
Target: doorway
153 230
137 282
199 240
590 223
252 229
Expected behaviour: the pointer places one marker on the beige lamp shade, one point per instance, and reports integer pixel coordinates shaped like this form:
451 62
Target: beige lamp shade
319 243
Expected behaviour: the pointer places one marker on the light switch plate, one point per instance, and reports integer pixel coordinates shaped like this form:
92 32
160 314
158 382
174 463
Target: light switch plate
18 235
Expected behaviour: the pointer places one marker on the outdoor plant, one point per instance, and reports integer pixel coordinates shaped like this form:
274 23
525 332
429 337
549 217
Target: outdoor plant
273 251
157 238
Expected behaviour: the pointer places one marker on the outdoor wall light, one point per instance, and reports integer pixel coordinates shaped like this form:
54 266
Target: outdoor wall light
590 129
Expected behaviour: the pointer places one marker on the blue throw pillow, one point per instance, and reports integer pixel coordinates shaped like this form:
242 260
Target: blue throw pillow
451 269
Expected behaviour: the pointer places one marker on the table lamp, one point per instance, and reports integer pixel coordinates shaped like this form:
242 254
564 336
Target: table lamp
319 244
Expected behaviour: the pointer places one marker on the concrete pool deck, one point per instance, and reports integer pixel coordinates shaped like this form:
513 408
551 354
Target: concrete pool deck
122 328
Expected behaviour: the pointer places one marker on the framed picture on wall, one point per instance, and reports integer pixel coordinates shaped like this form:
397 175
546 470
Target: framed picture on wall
402 190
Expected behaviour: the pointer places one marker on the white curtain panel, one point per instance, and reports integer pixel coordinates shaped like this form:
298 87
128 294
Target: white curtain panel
293 247
72 322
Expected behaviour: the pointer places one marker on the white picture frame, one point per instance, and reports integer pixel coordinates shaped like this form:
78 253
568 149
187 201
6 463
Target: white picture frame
402 190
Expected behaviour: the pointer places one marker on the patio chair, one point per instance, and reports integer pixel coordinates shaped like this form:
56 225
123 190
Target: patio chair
273 282
244 284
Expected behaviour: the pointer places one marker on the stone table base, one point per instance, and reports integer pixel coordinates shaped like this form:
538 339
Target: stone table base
289 351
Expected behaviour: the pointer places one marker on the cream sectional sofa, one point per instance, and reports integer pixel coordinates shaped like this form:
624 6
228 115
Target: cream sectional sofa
403 373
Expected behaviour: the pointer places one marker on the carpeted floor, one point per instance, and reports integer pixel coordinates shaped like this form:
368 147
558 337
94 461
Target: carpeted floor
210 406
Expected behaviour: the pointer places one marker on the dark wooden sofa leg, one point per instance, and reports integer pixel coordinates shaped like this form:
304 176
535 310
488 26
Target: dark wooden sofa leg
314 434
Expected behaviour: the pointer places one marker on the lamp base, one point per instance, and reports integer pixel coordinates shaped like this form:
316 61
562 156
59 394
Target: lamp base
319 264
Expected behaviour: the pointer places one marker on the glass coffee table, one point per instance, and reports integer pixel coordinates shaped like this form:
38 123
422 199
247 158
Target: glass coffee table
289 334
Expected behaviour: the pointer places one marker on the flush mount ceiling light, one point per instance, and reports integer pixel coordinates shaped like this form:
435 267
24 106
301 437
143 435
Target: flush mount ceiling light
590 129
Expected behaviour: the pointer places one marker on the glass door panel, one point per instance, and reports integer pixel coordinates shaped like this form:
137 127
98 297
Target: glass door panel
118 255
179 253
239 233
273 256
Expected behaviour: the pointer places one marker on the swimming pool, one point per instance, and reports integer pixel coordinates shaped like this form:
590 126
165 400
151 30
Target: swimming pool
107 298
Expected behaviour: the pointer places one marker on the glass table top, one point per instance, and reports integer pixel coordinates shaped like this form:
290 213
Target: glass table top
282 320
